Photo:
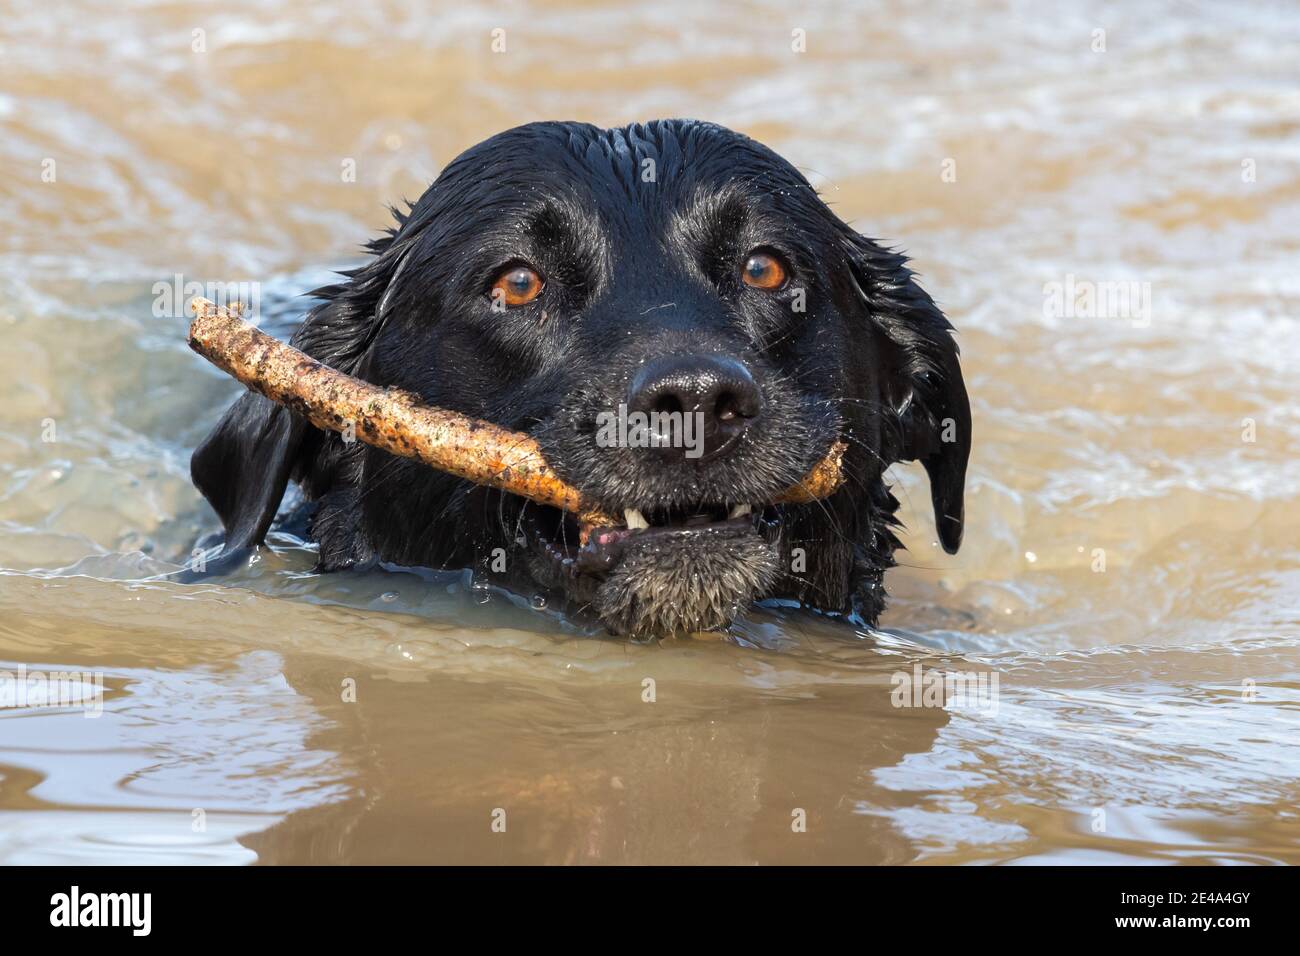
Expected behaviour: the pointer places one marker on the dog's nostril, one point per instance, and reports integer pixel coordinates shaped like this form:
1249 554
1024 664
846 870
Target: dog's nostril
727 409
669 404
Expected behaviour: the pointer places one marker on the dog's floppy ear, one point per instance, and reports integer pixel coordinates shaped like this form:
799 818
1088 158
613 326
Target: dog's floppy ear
245 463
925 388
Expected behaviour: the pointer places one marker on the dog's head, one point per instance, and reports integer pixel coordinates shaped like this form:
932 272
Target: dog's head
685 328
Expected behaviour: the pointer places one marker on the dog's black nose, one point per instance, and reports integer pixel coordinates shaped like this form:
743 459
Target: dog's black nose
695 404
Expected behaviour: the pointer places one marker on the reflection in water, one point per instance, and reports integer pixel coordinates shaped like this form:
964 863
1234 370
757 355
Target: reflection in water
594 780
1130 571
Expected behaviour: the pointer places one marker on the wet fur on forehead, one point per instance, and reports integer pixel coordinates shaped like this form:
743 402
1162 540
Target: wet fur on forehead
547 173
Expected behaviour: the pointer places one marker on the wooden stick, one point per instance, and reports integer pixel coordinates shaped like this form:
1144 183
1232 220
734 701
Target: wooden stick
390 419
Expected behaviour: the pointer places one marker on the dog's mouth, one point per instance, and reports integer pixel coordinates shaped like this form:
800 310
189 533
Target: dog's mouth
573 550
665 570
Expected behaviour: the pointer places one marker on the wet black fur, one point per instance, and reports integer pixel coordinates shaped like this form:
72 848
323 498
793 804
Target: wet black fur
639 233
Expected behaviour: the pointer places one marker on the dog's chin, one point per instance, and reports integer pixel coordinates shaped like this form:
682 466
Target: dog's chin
686 582
666 580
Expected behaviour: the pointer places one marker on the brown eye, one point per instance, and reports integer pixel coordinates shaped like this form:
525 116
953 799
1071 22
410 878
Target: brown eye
518 285
763 271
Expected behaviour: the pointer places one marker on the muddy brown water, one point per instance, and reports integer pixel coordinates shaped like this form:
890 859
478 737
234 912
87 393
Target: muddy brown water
1113 223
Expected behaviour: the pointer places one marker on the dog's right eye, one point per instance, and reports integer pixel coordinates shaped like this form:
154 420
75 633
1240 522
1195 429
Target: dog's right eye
763 270
517 285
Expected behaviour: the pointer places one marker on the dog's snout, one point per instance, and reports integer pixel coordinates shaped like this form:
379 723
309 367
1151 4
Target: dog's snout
711 397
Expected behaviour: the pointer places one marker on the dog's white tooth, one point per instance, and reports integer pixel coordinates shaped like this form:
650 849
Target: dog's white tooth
635 519
739 511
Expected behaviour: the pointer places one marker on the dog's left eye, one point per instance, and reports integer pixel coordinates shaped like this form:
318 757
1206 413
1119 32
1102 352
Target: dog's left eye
763 270
517 285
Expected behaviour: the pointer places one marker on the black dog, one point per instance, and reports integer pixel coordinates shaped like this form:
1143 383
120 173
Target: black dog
559 278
